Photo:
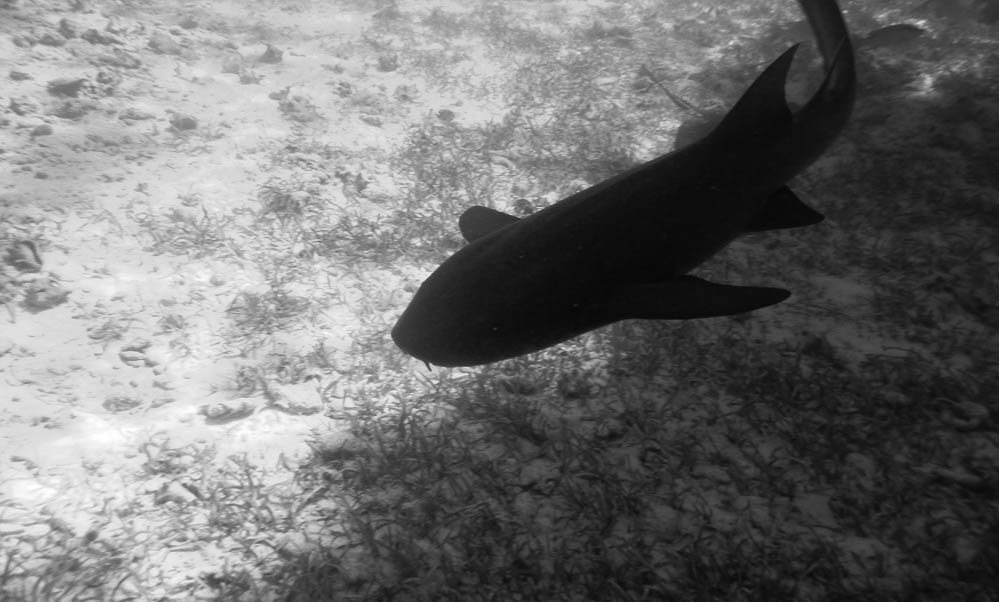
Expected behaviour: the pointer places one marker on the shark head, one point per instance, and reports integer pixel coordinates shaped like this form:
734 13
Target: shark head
485 319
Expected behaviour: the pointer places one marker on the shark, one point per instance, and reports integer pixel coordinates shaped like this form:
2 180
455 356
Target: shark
624 248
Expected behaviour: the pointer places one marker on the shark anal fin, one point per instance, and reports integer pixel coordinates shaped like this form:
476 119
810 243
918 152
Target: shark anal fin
479 221
690 297
783 209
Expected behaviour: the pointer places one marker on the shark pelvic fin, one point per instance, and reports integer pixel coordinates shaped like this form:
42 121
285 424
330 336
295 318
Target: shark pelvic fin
783 209
690 297
762 109
479 221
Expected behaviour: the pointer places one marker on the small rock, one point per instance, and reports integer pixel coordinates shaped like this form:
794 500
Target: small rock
711 472
162 43
539 474
120 58
957 476
135 359
24 40
815 507
139 345
983 459
66 86
24 256
388 62
389 13
525 504
970 134
18 75
966 415
966 549
42 130
338 445
122 26
301 399
52 38
183 122
44 293
174 492
722 520
272 55
762 512
294 545
100 37
896 399
406 93
232 64
73 108
860 553
135 114
69 28
662 520
248 76
301 198
862 469
228 411
120 403
574 385
106 331
23 106
610 428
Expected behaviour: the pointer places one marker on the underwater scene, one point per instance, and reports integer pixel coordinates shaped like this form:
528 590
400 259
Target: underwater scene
548 300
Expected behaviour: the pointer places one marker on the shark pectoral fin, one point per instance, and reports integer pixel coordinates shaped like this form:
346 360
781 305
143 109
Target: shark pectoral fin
690 297
783 209
478 221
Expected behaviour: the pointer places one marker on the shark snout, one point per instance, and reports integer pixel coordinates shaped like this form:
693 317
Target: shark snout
423 340
448 338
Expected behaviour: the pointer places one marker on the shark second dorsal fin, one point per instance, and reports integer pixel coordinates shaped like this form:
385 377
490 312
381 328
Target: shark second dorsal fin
783 209
478 221
763 107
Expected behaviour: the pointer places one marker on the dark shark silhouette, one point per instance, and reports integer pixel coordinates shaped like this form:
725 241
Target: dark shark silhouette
622 248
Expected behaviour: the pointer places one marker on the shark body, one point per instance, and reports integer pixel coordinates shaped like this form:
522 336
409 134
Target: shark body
622 249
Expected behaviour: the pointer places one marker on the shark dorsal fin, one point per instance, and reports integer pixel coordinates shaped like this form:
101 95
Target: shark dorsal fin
478 221
763 107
